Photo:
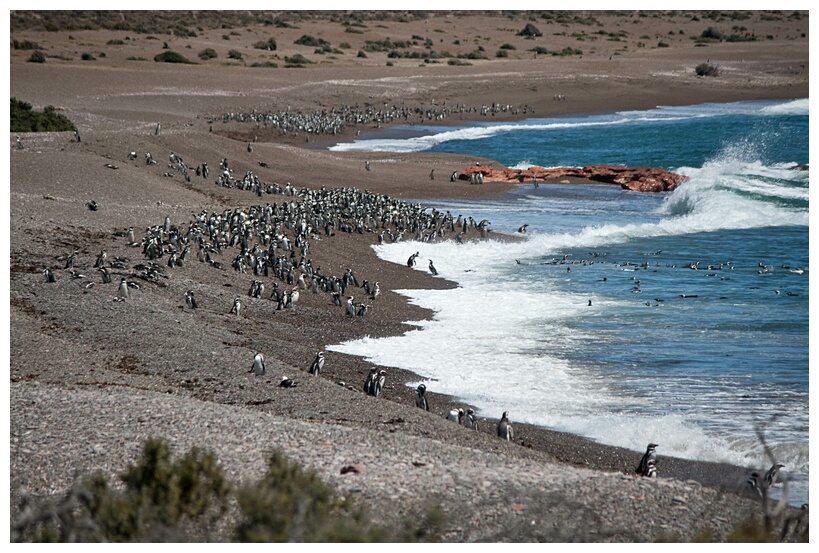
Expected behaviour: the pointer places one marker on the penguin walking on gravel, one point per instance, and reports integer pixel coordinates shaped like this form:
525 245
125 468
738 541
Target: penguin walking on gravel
318 364
421 398
258 367
505 431
648 464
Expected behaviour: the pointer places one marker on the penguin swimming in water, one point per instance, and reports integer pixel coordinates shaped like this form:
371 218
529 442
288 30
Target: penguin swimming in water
505 431
318 364
421 398
258 367
648 464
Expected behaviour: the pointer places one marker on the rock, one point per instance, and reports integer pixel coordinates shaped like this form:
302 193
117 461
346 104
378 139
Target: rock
639 179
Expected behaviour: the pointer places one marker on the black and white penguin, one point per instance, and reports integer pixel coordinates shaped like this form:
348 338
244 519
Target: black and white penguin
49 275
421 398
378 382
455 415
287 383
237 307
318 364
123 289
190 300
648 464
432 268
505 431
257 367
471 421
370 381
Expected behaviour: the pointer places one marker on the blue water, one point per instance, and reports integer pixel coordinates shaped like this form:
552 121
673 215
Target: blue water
697 332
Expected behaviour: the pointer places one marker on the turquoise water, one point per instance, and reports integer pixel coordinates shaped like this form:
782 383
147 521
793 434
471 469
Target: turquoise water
697 332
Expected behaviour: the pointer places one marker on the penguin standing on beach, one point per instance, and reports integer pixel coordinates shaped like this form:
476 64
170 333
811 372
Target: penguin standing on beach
648 464
505 431
455 415
370 381
318 364
123 289
421 398
258 367
470 421
432 268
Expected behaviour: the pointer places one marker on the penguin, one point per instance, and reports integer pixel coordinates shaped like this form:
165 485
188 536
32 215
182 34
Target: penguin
754 482
378 382
505 428
131 237
287 383
318 364
648 464
375 291
92 205
522 228
421 398
257 367
237 307
471 421
158 129
123 289
69 263
456 416
771 477
411 260
351 306
191 300
432 268
370 381
367 165
49 275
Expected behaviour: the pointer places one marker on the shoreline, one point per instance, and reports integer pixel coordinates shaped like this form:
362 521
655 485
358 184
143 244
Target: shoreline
114 347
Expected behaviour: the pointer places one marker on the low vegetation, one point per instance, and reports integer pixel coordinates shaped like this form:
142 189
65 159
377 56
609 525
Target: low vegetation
25 119
707 70
172 57
162 499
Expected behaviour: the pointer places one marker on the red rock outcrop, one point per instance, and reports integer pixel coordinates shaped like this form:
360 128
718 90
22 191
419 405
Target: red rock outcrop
640 179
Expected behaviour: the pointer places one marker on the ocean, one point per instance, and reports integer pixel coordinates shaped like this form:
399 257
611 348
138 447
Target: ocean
678 318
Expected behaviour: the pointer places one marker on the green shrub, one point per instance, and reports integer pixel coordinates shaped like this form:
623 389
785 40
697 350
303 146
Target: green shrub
707 70
37 57
208 54
115 42
264 64
308 40
87 57
662 44
361 54
24 119
296 59
172 57
501 54
179 500
507 46
234 55
712 33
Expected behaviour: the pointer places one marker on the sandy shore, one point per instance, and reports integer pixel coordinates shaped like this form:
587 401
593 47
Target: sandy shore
72 346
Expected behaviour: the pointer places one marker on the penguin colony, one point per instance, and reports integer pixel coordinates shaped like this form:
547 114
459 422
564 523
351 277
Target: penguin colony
261 237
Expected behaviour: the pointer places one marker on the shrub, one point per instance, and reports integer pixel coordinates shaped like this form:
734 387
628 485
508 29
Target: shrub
37 57
87 57
539 50
530 31
361 54
264 64
501 54
712 33
207 54
176 500
507 46
234 55
707 70
269 44
115 42
24 119
662 44
171 57
25 45
308 40
296 59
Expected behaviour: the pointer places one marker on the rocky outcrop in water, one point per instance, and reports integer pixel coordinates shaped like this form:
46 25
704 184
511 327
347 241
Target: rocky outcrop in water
639 179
